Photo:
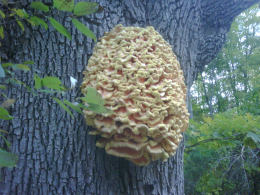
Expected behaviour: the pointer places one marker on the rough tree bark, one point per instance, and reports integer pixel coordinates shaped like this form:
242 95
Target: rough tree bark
56 154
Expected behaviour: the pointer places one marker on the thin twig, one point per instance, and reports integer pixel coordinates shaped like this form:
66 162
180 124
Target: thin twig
243 166
209 140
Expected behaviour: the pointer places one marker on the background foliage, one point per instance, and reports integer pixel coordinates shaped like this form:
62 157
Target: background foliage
223 140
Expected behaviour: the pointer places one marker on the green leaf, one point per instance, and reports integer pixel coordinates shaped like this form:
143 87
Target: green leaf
31 22
74 107
85 30
40 6
64 106
38 21
252 140
6 141
95 101
2 35
20 24
3 131
82 106
16 81
64 5
7 159
2 14
37 82
28 62
22 67
4 114
84 8
60 28
21 13
5 65
2 72
93 97
52 83
2 87
99 109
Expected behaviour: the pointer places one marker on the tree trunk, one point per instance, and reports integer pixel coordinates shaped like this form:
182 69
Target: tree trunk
56 154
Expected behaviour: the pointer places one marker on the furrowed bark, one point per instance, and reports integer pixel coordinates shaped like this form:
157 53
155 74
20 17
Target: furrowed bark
56 154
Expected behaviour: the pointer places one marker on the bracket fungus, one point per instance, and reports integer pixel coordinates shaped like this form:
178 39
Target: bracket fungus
141 81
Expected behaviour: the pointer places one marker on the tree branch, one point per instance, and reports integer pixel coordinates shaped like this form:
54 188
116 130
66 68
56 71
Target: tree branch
222 12
209 140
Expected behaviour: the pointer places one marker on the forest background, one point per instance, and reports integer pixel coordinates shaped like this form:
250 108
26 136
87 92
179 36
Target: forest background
223 140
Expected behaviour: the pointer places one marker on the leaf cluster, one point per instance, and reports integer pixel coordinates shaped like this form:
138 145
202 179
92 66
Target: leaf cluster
51 85
39 15
220 150
43 15
223 140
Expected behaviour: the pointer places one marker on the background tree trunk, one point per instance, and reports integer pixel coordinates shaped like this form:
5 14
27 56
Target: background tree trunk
56 154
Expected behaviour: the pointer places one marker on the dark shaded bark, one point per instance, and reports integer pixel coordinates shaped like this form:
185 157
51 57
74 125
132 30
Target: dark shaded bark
56 154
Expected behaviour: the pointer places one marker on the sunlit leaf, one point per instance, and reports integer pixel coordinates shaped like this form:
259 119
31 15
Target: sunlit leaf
2 35
37 82
63 106
74 107
28 62
22 67
38 21
21 13
40 6
52 83
2 87
60 28
84 29
93 97
4 114
95 101
99 109
7 159
20 24
31 22
64 5
5 65
2 14
84 8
